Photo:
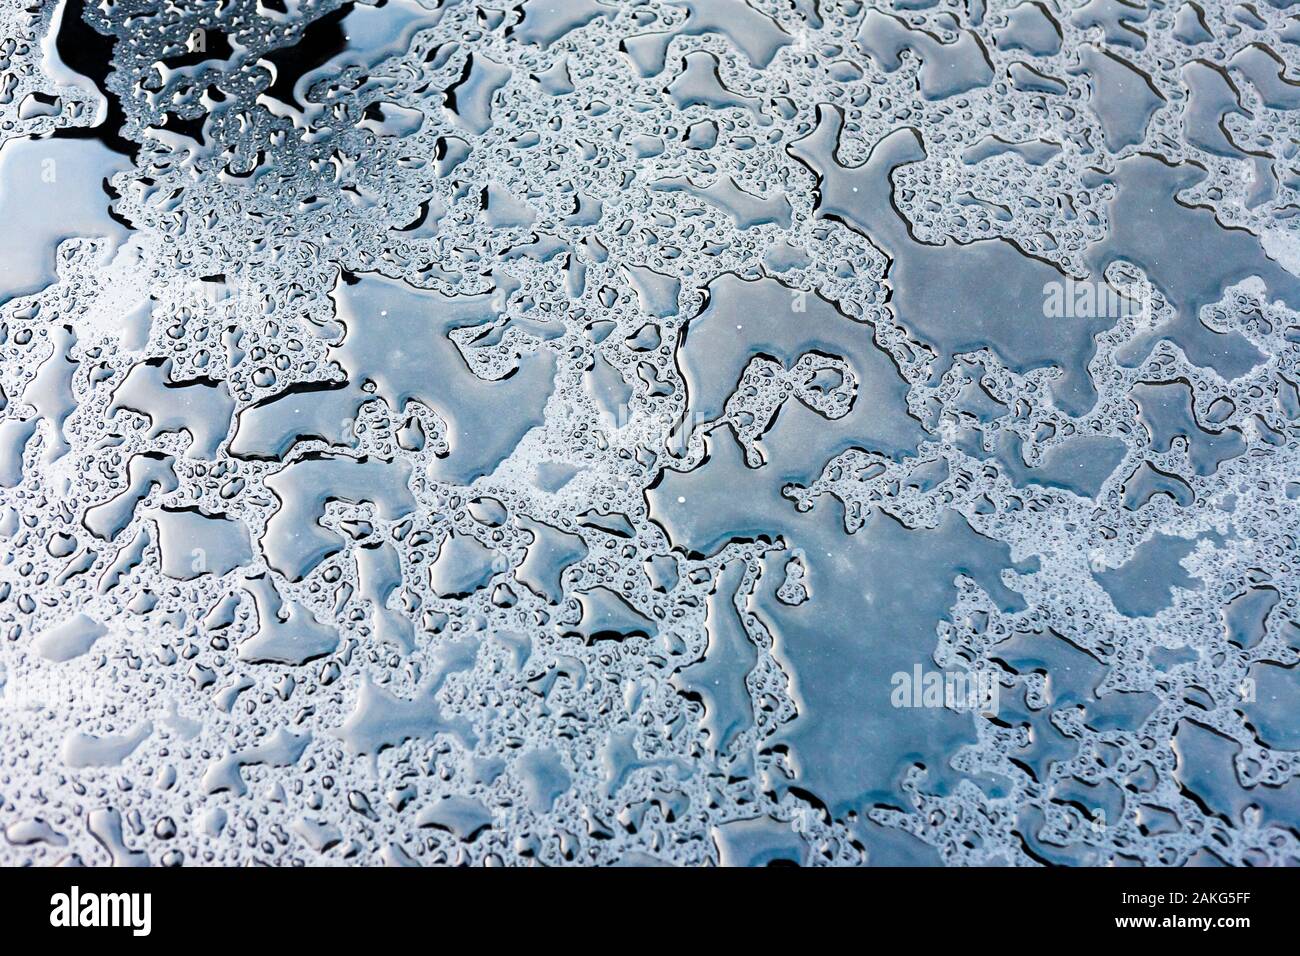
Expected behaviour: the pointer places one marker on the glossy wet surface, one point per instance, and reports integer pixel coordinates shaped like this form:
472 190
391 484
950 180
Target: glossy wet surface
677 431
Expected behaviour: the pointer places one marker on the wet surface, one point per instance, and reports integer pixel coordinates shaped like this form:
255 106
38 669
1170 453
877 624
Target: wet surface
681 432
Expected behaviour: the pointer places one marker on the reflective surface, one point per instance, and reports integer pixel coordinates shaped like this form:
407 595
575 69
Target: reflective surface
673 431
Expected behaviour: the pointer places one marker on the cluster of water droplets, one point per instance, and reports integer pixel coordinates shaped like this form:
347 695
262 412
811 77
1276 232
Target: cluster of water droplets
541 432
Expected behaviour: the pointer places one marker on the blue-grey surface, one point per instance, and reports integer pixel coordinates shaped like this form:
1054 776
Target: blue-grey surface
650 431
